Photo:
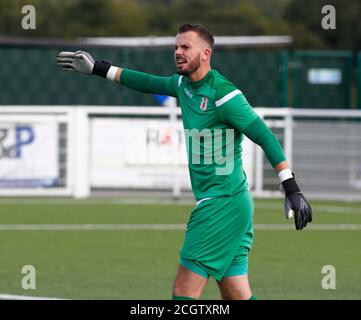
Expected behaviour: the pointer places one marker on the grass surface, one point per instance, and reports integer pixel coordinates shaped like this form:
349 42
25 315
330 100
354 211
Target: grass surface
141 264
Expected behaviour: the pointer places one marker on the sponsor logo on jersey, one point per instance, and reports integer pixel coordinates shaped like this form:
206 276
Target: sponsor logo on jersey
204 102
188 93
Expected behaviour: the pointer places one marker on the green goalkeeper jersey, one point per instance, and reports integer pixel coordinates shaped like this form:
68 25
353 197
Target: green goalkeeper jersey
215 116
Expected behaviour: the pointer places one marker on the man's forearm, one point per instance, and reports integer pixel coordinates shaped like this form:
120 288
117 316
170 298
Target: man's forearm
281 166
260 134
283 170
144 82
139 81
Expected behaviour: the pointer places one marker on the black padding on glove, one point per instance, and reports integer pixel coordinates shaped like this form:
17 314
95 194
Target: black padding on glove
101 68
290 186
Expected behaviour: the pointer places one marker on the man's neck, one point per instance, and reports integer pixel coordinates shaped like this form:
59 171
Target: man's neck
199 74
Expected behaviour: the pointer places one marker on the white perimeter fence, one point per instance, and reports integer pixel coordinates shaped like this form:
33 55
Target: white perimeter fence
85 151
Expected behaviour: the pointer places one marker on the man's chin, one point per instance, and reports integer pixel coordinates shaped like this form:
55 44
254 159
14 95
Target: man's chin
183 72
187 71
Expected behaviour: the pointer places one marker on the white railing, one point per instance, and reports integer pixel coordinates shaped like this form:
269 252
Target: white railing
98 149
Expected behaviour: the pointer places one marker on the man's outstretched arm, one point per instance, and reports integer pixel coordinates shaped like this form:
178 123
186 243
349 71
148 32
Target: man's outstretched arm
83 62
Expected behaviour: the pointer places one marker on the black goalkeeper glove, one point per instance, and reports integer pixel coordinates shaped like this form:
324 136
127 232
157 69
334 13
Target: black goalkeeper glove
296 204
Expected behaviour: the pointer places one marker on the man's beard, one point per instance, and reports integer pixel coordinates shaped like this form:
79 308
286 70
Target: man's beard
193 67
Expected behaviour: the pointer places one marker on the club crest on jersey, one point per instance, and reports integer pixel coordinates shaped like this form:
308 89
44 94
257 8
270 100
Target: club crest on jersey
204 102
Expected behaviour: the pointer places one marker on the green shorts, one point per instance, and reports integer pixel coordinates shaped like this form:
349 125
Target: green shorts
219 236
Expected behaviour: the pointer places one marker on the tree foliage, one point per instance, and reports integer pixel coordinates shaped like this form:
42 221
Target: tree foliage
81 18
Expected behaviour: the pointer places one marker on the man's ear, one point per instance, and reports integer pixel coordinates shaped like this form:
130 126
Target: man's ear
206 54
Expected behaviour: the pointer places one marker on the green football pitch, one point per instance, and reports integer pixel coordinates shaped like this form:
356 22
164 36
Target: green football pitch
109 249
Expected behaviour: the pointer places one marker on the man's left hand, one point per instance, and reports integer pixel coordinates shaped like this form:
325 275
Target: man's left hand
302 211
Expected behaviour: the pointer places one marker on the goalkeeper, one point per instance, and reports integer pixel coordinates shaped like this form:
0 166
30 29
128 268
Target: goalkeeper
216 116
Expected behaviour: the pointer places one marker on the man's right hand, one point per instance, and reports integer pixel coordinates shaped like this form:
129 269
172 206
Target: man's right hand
80 61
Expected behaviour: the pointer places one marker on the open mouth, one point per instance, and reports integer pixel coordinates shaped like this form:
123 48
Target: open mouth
180 61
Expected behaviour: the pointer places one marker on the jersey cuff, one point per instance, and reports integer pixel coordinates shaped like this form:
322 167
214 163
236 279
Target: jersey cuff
285 174
111 73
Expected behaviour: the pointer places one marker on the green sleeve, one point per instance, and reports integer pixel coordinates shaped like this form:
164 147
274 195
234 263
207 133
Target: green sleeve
259 133
234 109
148 83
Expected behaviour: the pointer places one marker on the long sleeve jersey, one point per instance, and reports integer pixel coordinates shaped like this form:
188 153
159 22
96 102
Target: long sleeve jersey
216 115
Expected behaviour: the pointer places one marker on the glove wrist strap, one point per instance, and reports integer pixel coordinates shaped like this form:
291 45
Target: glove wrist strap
290 186
101 68
285 174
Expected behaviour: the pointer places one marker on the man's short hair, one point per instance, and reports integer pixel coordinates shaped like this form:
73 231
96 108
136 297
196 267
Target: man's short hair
201 30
